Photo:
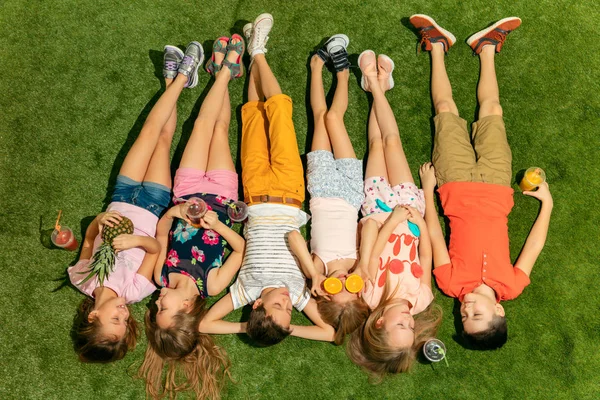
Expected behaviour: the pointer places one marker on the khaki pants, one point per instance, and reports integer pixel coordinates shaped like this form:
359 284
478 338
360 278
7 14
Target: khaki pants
487 160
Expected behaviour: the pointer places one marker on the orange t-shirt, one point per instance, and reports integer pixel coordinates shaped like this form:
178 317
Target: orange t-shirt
479 247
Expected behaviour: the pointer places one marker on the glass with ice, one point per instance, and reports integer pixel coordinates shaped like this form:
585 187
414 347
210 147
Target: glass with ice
434 350
195 209
237 211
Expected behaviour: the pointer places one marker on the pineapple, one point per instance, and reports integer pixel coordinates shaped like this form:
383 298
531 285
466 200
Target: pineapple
104 259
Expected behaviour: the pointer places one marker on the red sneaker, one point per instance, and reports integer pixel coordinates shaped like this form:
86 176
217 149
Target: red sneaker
430 32
494 35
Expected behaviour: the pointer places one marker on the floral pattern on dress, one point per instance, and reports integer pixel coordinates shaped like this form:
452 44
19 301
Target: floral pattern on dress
210 237
184 231
172 259
198 255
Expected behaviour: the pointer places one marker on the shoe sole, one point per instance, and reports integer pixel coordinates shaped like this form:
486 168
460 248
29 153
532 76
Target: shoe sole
478 35
247 30
194 79
362 78
391 77
341 36
439 28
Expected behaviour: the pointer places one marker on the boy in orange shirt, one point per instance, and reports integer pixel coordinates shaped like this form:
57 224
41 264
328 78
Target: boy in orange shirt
475 192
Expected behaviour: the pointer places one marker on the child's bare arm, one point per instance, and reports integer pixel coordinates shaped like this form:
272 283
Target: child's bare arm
319 331
162 236
368 237
537 237
436 236
221 277
213 320
300 250
90 235
425 251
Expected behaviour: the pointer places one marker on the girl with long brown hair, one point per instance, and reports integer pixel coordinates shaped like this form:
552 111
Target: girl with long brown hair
191 265
396 252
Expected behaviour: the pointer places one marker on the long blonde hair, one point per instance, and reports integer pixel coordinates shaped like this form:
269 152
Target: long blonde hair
368 346
181 346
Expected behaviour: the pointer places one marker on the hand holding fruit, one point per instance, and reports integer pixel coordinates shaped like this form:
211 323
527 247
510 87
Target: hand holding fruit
125 242
109 218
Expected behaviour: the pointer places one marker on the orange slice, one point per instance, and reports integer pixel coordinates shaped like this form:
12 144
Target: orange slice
332 285
354 283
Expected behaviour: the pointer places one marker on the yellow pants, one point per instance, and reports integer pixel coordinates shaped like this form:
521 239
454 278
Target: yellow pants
271 162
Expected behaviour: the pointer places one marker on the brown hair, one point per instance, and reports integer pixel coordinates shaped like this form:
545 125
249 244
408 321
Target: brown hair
263 329
368 345
94 347
344 317
181 345
492 338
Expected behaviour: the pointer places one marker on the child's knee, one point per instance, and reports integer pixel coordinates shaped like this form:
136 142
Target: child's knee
334 117
490 107
445 106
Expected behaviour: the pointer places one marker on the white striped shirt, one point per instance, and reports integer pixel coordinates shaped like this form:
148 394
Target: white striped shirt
269 262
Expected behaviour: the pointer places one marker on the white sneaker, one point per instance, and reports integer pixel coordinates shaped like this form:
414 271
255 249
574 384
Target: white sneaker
260 34
336 43
247 30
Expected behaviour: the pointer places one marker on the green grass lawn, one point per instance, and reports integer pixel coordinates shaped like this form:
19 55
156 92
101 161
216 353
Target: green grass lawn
78 79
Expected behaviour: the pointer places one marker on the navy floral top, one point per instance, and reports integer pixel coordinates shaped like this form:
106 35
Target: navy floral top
194 252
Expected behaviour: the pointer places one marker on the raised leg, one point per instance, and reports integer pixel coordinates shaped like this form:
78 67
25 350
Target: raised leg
338 135
220 154
137 161
318 104
376 160
488 94
441 90
395 160
268 83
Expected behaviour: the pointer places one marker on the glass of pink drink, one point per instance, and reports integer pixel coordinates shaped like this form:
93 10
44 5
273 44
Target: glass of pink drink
64 238
196 208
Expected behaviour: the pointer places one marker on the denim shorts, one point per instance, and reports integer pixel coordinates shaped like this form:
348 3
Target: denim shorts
150 196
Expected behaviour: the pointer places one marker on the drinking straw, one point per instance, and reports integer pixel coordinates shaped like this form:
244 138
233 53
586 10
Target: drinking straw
56 225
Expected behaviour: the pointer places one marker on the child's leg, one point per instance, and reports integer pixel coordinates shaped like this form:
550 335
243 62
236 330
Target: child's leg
138 158
441 90
376 161
254 86
219 157
268 83
395 160
159 170
453 155
286 167
320 140
342 146
493 153
196 150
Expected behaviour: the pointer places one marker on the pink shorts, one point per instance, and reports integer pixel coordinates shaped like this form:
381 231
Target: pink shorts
221 182
377 187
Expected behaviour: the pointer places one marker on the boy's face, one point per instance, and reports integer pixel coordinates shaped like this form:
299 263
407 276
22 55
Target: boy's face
113 314
278 305
477 311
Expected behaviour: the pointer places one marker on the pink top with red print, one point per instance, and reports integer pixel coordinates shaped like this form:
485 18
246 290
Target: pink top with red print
399 266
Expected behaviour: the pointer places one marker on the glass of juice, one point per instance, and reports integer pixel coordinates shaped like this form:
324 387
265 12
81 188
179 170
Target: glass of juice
64 238
532 178
195 210
237 211
434 350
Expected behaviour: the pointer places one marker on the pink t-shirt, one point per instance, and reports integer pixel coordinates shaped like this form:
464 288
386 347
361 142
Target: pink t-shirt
333 229
124 280
399 265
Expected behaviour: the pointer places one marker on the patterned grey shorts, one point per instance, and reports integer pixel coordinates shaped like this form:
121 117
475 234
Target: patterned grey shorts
328 177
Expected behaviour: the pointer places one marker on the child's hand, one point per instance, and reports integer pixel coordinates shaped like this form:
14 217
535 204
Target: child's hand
125 241
210 220
427 174
178 211
414 216
317 285
109 218
400 213
542 194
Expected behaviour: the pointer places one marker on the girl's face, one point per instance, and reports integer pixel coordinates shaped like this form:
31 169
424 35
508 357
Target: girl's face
113 314
399 325
170 302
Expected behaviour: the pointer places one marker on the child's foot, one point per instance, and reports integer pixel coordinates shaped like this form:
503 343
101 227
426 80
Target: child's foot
385 67
219 50
233 59
316 61
172 58
494 35
430 32
259 34
336 49
194 55
368 66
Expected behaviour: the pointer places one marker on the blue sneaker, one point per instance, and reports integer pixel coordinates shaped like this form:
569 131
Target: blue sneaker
172 58
192 59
